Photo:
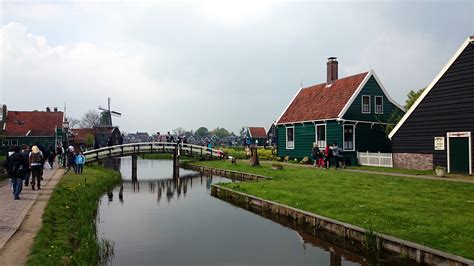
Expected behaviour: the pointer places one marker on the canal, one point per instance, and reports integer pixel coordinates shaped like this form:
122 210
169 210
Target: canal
164 221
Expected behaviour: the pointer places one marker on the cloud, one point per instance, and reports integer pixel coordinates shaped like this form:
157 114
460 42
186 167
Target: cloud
410 60
38 74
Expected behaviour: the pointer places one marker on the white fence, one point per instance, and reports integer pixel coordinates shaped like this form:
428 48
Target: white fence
375 159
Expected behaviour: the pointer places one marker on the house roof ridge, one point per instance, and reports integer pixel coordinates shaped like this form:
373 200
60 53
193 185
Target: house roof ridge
341 79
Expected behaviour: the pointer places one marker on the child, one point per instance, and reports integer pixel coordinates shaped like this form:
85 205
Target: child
80 161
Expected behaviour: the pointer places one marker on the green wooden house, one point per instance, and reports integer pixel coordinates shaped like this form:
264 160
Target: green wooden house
353 112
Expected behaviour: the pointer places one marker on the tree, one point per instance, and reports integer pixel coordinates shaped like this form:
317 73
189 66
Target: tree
90 119
89 140
221 132
73 123
179 131
412 97
202 132
395 116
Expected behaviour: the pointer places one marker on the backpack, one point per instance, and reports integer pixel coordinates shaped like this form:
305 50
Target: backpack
14 165
37 158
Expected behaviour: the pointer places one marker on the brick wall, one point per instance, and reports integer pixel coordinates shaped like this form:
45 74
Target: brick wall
418 161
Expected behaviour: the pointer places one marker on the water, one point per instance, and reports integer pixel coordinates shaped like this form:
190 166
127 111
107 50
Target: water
161 221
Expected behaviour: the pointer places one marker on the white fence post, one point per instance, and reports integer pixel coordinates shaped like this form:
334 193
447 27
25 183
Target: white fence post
375 159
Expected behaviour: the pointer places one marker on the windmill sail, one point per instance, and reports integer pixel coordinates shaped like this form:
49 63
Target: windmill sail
106 115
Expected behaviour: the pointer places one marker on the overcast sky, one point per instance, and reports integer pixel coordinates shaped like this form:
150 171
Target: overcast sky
167 65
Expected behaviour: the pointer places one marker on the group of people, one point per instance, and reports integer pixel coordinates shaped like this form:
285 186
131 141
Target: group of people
24 162
323 157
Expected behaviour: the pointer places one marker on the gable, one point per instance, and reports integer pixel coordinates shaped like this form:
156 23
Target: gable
371 89
20 123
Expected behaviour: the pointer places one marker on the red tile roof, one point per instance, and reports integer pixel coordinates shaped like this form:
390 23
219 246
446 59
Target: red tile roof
81 133
36 123
257 132
321 101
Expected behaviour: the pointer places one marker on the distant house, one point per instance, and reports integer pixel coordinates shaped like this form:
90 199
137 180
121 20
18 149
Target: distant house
272 135
107 136
80 136
32 127
255 135
353 112
438 129
142 137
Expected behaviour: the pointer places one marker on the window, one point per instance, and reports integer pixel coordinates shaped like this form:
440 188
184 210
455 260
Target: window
290 137
366 104
378 104
14 142
349 134
321 135
5 142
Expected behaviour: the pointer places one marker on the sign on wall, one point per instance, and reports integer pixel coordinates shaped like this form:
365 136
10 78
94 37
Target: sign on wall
439 143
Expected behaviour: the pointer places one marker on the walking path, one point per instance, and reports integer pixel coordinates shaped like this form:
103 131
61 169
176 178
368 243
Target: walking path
20 220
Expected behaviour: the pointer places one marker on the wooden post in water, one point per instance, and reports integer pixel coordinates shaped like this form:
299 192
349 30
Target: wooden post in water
134 167
176 162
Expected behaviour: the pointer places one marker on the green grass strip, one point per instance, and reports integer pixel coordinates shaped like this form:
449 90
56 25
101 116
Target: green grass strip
438 214
68 233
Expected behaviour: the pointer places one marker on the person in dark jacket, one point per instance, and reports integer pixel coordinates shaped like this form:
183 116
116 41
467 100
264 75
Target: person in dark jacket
16 167
26 154
51 155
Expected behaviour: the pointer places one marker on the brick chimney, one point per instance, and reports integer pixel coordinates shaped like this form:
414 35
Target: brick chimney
332 69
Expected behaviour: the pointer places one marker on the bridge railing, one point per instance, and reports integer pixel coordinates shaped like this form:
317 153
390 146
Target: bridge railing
150 147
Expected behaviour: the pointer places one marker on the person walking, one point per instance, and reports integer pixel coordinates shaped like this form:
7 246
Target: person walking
336 155
71 160
315 154
80 161
51 155
59 154
328 157
16 167
26 155
36 160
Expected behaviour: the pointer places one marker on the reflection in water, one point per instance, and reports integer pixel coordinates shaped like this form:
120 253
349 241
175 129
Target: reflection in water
159 220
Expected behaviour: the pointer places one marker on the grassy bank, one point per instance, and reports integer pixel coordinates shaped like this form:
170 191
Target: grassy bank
438 214
68 232
393 170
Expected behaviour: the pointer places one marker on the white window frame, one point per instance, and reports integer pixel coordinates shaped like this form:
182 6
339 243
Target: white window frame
381 105
5 142
14 142
362 104
344 138
288 147
325 134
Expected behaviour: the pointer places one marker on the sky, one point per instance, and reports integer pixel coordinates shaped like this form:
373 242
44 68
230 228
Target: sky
170 64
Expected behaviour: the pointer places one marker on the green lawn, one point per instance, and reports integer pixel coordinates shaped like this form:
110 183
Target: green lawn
393 170
68 233
438 214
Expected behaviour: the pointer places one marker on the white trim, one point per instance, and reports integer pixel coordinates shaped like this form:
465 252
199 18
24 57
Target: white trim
308 121
385 92
430 86
288 106
365 122
361 86
362 104
375 104
353 137
286 138
325 133
29 131
354 95
468 135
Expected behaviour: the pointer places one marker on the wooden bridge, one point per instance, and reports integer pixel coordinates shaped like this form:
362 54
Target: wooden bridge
176 149
135 149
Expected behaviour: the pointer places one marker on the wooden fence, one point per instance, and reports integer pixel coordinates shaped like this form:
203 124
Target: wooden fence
375 159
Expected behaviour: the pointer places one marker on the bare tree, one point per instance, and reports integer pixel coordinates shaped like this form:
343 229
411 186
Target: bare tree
73 123
90 119
179 131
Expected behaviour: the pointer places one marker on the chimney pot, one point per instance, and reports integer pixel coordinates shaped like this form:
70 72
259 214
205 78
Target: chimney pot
332 70
55 109
48 109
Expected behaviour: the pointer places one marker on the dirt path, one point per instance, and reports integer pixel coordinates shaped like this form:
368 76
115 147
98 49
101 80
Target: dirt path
23 218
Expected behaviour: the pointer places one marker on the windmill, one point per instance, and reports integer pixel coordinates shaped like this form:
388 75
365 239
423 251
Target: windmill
106 115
